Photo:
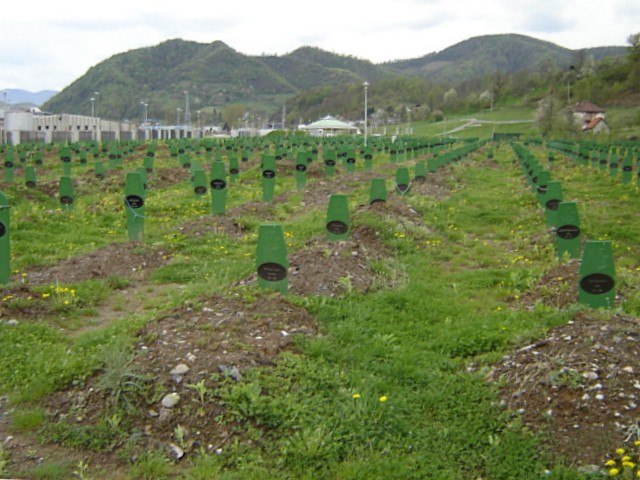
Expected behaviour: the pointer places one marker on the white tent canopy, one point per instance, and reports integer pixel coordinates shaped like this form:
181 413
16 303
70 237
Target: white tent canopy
329 126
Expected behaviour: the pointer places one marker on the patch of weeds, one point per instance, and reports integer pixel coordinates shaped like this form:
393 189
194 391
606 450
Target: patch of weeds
49 471
102 436
566 377
204 467
27 419
388 274
120 380
114 282
151 466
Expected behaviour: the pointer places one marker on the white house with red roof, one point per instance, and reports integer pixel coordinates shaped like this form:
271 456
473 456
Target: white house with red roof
590 117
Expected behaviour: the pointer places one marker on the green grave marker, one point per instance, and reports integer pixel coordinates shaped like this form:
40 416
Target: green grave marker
420 172
98 170
378 191
234 166
368 158
5 254
185 161
268 177
596 284
30 179
199 182
9 166
551 198
148 163
614 165
134 200
330 162
218 188
301 169
338 218
568 230
350 160
272 264
67 194
627 170
403 180
539 182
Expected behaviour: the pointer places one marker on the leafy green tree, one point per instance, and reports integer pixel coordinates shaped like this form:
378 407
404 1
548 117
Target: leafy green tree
232 114
634 59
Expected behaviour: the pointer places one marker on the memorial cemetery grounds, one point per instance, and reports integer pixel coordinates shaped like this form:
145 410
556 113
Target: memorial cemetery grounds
442 338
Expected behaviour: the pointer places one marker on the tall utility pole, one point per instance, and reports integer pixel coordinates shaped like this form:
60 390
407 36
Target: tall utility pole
187 109
366 108
93 107
284 115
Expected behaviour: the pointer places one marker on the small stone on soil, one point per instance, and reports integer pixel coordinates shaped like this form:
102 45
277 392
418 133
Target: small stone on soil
170 400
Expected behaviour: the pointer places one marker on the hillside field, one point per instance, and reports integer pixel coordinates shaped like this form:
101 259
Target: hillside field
441 338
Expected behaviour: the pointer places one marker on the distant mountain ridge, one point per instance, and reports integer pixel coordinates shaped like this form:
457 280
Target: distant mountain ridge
485 55
17 96
215 75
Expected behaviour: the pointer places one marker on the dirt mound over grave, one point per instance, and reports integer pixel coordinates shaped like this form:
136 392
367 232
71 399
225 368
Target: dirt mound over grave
128 260
332 268
207 345
579 385
558 288
437 184
165 177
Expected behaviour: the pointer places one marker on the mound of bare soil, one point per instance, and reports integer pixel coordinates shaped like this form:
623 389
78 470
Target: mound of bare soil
215 341
128 260
580 385
437 184
331 268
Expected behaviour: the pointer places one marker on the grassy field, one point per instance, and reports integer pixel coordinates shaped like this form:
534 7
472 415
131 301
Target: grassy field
624 123
339 381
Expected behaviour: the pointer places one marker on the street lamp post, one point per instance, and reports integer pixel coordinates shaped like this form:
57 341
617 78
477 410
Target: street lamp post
366 90
93 107
409 115
145 112
178 110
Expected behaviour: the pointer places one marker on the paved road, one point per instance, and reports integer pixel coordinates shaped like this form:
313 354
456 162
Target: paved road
474 122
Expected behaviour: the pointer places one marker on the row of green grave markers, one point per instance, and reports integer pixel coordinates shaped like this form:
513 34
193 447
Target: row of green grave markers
619 161
272 262
596 284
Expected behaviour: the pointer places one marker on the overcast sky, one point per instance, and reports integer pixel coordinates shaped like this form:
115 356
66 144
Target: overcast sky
48 44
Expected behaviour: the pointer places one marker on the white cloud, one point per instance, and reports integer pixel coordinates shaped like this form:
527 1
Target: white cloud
49 44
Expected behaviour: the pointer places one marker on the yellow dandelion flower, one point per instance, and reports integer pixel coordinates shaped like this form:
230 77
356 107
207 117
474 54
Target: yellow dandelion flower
620 451
628 464
355 396
46 295
613 472
626 458
383 398
637 443
610 463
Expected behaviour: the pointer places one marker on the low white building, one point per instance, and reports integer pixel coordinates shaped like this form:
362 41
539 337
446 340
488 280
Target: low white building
30 126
